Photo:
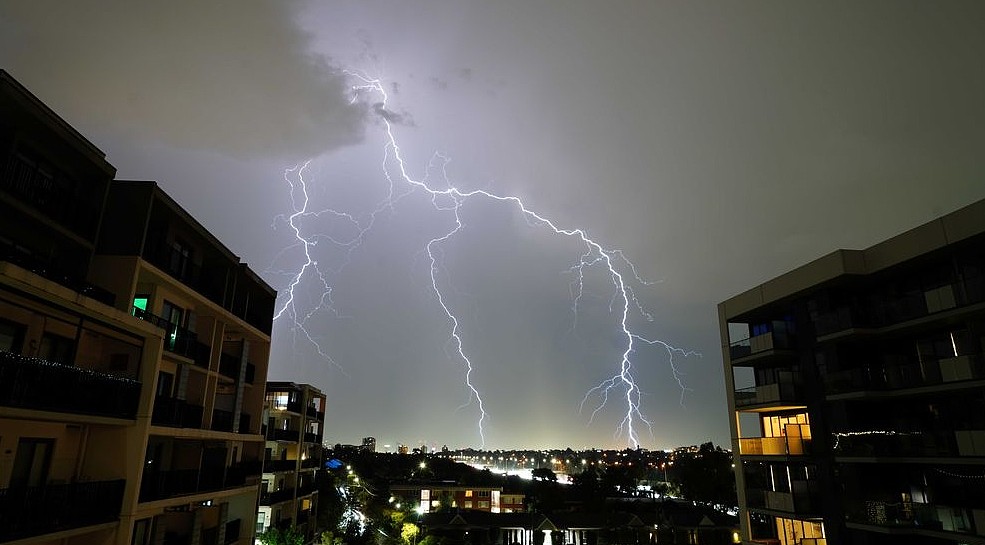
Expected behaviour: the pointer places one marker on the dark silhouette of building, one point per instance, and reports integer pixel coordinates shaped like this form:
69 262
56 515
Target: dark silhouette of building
857 393
133 352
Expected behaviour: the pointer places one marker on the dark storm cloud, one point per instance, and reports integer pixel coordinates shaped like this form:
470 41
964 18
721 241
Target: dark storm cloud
236 78
392 116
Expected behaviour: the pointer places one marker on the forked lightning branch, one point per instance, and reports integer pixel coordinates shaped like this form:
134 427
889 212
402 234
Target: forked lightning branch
621 387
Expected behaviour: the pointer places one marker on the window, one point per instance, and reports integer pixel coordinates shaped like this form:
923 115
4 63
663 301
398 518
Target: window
173 315
57 348
31 462
11 337
179 259
141 532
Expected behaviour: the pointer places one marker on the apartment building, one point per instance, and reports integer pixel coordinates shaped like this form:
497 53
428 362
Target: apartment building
294 420
430 497
133 352
857 393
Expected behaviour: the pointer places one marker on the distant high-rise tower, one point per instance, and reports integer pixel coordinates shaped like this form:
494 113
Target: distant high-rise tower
369 444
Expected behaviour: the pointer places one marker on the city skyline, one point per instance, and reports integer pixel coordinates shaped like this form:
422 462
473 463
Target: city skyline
715 145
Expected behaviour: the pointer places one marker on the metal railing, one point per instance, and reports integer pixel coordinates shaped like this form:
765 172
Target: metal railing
37 510
34 383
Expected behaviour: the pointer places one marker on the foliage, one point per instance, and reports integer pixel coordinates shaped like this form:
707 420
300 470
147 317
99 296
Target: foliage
706 476
276 536
544 474
409 532
329 538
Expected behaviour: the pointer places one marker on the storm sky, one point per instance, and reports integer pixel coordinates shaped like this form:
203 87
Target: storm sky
717 144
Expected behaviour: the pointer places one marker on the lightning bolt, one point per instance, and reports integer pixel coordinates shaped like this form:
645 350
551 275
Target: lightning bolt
450 199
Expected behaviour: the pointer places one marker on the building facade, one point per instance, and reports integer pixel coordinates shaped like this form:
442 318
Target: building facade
294 416
133 353
857 393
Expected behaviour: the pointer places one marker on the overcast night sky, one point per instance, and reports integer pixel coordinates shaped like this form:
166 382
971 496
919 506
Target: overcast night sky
717 144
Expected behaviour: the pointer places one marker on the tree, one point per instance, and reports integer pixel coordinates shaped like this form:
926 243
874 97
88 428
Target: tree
409 532
544 474
276 536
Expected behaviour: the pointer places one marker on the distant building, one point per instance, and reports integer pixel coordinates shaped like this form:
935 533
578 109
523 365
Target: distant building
857 393
294 416
430 497
133 350
369 444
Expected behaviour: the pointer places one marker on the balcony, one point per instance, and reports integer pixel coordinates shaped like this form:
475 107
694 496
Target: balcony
786 392
900 377
156 485
886 311
912 444
271 466
764 344
290 436
802 499
179 266
244 423
176 413
775 446
232 531
310 463
50 271
222 420
311 438
277 496
41 510
918 516
34 383
178 340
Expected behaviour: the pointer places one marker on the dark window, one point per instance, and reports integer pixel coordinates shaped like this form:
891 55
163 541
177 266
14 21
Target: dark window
11 337
31 462
57 348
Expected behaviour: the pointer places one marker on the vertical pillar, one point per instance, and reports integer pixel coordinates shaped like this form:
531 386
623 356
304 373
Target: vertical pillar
196 528
223 516
240 385
157 537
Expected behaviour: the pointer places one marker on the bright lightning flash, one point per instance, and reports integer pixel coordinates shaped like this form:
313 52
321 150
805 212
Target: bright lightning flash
450 199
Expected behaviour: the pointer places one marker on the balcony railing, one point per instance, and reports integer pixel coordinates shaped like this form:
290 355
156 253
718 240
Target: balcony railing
232 531
271 466
222 420
34 383
244 423
311 438
39 510
913 375
802 499
310 463
771 340
767 393
178 340
915 444
179 266
176 413
886 311
283 435
156 485
922 516
775 446
277 496
50 271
